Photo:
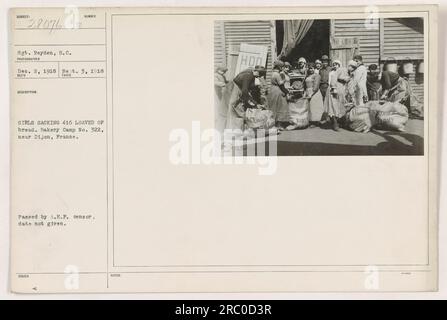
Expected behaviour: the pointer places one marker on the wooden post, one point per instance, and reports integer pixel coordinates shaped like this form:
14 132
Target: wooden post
331 36
273 40
381 42
232 56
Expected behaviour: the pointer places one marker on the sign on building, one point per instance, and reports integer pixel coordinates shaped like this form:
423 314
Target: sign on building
251 55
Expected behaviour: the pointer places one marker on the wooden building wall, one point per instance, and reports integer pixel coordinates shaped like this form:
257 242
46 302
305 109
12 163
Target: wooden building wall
228 35
403 39
393 38
398 38
219 44
369 40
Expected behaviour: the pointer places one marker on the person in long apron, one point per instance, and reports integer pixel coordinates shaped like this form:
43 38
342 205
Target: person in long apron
334 104
313 94
351 86
277 100
360 77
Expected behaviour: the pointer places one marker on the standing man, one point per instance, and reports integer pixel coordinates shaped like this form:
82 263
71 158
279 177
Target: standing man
360 78
324 75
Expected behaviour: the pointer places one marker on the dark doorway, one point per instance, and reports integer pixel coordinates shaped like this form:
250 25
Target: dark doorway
314 44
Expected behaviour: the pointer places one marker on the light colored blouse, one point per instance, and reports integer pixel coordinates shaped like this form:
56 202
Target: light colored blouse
313 83
277 78
338 76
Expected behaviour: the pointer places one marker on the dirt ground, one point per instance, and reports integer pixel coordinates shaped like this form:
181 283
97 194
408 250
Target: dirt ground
323 142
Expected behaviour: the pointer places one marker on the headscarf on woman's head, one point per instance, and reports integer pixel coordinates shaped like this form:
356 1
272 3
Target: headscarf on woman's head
337 62
302 60
278 64
352 63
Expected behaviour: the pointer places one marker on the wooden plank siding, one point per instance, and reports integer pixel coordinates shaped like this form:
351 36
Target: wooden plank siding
395 38
369 40
402 40
417 84
258 32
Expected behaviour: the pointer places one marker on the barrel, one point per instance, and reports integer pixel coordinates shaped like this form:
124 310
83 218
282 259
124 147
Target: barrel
408 67
421 67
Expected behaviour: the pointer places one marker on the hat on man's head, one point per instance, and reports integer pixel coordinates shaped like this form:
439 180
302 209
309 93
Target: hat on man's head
358 57
302 60
324 58
317 61
287 64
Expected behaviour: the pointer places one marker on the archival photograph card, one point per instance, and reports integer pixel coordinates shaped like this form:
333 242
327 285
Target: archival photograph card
224 149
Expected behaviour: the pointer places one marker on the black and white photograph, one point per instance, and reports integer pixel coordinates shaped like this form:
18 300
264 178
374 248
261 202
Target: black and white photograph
234 151
321 87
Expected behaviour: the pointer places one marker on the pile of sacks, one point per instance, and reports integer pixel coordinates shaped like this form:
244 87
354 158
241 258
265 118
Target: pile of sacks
259 118
378 115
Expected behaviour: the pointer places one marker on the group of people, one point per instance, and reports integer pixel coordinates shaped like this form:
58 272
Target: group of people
325 90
